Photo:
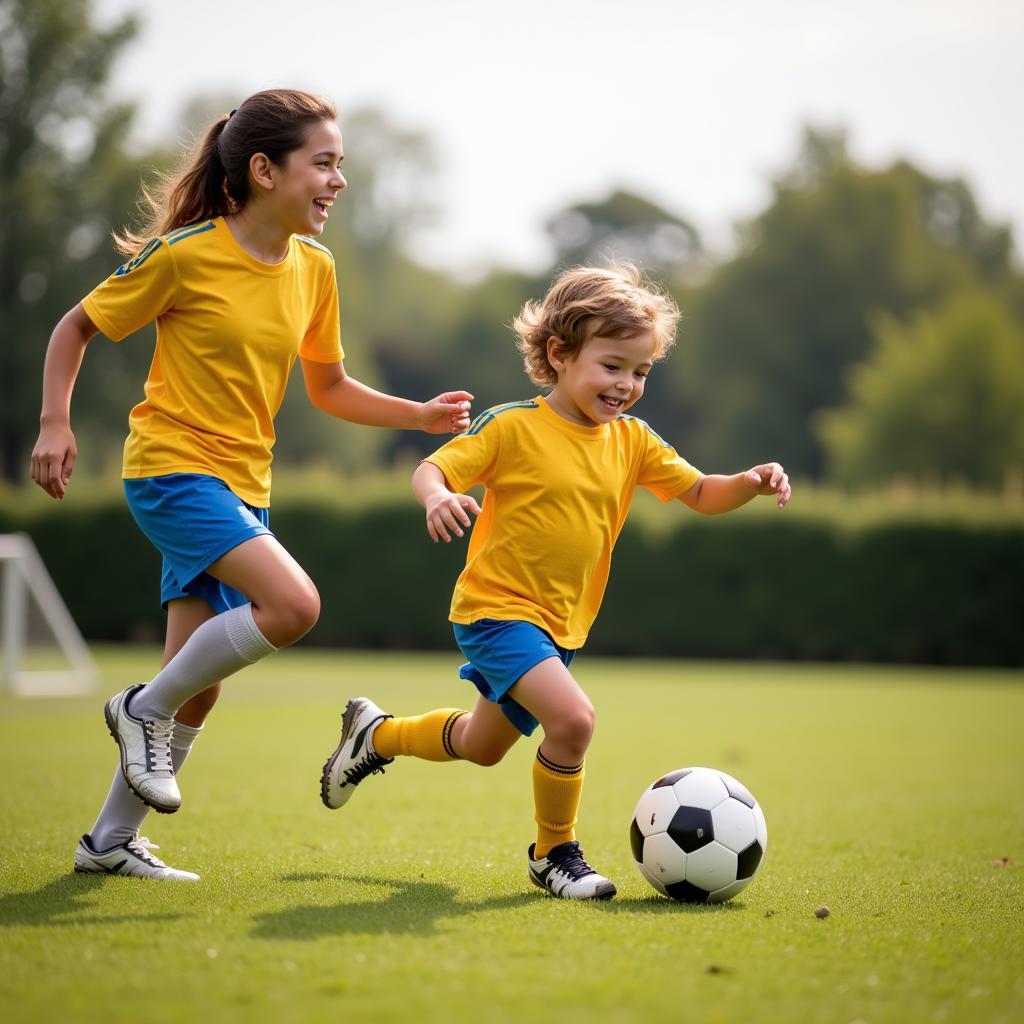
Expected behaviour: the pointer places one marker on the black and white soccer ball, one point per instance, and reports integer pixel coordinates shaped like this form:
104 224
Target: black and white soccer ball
698 835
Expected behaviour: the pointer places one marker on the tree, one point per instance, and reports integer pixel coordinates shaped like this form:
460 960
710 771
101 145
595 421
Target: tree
393 170
625 226
59 139
939 399
770 337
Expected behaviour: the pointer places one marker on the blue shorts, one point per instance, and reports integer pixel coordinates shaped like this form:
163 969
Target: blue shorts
193 520
500 653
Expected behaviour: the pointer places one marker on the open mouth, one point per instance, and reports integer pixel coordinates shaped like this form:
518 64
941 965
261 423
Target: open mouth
615 404
323 206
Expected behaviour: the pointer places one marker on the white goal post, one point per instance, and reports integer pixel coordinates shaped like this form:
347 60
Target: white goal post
23 578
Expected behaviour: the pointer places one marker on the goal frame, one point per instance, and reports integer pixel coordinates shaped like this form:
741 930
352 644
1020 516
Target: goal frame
23 575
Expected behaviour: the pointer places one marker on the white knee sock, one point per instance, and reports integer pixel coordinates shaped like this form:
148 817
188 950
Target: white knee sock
123 813
219 647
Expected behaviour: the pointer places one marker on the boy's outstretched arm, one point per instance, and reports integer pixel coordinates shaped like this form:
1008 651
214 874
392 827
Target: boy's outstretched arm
445 509
713 494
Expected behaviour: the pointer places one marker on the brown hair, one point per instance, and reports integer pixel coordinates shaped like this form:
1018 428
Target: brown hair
617 302
213 178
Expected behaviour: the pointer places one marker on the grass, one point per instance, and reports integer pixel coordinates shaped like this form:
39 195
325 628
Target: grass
892 797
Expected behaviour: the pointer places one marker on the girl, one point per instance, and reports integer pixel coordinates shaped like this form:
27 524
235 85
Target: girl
238 289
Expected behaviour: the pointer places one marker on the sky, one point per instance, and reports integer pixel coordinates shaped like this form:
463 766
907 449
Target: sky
539 104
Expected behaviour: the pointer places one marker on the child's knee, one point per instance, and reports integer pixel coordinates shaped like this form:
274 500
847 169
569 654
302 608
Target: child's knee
582 722
486 758
581 719
294 615
307 611
476 746
575 727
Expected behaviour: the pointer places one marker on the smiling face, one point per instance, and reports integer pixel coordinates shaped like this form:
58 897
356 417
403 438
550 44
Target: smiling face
603 379
308 183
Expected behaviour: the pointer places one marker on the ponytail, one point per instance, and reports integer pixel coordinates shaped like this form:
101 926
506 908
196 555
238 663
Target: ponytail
213 179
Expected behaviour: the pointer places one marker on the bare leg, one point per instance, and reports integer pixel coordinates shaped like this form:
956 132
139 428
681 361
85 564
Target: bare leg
485 735
550 693
285 602
284 605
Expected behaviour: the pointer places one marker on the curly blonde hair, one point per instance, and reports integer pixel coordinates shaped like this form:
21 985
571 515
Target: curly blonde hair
616 302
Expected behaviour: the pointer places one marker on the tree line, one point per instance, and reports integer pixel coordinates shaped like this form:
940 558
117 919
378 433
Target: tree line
868 326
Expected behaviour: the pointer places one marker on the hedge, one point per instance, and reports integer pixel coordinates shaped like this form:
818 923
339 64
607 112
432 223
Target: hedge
721 587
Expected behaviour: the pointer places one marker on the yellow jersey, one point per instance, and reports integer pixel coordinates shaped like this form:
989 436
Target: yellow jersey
557 494
228 330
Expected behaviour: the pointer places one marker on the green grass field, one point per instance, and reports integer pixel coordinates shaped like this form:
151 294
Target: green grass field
893 797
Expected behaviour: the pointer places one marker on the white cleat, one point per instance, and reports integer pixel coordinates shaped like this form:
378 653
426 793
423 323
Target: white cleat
145 745
565 874
132 858
354 758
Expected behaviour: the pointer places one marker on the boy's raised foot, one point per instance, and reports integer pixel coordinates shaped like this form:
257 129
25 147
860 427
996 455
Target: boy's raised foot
565 874
131 858
354 758
145 745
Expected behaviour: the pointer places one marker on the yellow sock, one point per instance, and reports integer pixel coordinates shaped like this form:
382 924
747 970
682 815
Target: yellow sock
425 736
556 797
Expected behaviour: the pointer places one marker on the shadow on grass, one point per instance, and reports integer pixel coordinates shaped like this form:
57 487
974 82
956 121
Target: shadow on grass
655 904
409 908
67 901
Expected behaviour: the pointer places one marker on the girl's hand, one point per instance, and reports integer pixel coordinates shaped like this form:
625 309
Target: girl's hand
770 479
446 512
448 413
53 459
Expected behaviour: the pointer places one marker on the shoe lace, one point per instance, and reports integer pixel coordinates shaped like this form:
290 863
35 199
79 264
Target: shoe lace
571 862
370 764
141 846
158 731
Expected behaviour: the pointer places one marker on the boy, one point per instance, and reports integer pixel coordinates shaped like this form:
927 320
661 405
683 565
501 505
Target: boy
559 473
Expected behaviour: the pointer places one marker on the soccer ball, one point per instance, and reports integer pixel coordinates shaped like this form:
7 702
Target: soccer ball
698 835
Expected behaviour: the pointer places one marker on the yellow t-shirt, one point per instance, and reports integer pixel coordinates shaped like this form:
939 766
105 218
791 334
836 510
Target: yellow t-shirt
557 494
228 330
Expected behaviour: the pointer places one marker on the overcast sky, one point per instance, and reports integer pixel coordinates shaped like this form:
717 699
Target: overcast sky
539 103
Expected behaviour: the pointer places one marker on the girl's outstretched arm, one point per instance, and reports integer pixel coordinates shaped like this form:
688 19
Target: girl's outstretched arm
53 457
332 390
714 493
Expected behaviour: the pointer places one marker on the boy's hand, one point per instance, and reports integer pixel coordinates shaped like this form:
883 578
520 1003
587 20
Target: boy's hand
446 511
770 479
448 413
53 459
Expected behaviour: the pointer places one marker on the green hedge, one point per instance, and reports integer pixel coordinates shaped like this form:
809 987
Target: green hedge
723 587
